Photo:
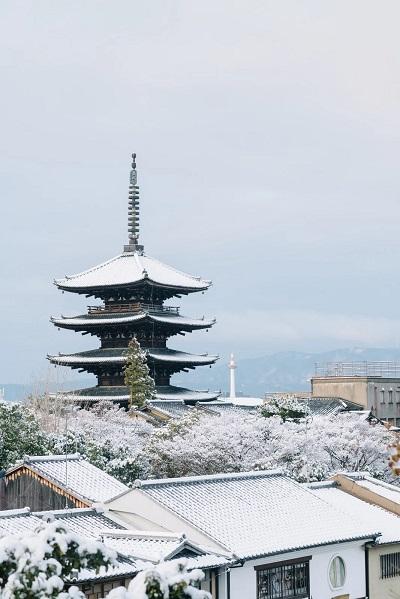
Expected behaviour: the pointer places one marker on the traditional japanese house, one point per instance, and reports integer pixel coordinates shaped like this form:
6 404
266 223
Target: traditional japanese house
54 482
133 289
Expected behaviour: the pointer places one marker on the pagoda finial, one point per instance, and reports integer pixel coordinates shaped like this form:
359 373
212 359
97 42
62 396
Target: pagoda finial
133 211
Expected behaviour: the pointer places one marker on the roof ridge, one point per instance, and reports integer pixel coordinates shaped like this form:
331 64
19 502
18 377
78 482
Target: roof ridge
16 512
207 477
50 458
91 269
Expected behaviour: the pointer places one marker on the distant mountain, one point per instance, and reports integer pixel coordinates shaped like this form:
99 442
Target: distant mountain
18 392
283 371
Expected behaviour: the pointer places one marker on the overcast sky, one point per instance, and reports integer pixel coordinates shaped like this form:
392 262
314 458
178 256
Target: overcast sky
268 143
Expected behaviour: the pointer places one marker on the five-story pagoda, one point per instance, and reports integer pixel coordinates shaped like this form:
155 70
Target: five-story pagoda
133 288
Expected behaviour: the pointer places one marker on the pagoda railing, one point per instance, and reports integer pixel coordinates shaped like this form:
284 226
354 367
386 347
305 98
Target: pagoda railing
136 308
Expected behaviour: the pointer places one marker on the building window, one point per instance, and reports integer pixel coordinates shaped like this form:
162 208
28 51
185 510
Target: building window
390 565
382 395
390 395
337 572
286 580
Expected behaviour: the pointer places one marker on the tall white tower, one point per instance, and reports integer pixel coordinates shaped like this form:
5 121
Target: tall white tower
232 368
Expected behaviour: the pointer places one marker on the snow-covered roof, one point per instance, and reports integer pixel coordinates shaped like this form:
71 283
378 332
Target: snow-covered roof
130 269
255 513
325 406
74 474
156 547
96 320
387 522
164 393
88 522
379 487
118 356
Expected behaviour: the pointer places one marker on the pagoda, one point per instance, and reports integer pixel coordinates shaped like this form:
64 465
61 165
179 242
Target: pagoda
133 288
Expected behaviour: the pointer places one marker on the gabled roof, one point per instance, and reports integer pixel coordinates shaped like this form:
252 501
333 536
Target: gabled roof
364 481
74 474
252 514
132 269
118 356
88 522
325 406
155 547
387 523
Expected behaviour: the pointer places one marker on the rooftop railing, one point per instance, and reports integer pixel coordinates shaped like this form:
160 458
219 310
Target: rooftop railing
136 308
385 369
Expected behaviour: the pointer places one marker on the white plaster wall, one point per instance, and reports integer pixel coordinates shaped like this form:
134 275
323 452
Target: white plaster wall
244 580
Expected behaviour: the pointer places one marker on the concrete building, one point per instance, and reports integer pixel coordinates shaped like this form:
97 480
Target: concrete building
374 385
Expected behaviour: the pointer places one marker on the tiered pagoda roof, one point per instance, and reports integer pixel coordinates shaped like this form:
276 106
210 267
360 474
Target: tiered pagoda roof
133 287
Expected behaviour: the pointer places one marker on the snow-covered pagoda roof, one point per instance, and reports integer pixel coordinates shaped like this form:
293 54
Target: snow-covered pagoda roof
121 394
73 474
251 514
118 356
131 269
109 320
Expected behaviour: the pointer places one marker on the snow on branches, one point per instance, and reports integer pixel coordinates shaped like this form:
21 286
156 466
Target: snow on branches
309 450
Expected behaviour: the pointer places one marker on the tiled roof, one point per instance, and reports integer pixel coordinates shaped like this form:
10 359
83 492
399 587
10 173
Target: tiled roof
163 393
154 547
255 513
85 320
75 475
324 406
118 355
386 522
131 268
87 522
179 407
379 487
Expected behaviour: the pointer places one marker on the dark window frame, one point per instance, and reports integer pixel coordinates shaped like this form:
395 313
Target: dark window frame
389 565
282 568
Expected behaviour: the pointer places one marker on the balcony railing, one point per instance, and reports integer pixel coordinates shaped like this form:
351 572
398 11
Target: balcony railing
385 369
135 308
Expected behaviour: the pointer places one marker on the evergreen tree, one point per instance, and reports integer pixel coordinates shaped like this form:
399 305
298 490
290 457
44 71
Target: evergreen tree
137 377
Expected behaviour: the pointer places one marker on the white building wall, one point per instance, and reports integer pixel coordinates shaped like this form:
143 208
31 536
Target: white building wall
244 580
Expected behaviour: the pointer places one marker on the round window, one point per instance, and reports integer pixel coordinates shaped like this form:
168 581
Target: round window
337 572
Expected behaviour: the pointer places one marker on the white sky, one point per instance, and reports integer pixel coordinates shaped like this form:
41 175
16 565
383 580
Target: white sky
267 136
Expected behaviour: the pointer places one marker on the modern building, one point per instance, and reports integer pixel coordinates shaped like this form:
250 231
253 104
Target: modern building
132 288
285 542
356 494
54 482
373 385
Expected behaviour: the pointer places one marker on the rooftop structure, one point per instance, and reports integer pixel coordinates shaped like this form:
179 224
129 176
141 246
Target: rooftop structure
373 385
386 369
133 288
55 481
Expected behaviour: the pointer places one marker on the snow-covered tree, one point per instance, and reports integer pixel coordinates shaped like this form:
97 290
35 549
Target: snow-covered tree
38 564
109 438
308 450
168 580
41 564
287 407
136 375
20 434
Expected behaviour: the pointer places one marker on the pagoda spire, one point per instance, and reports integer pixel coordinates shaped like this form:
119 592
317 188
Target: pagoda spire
133 211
